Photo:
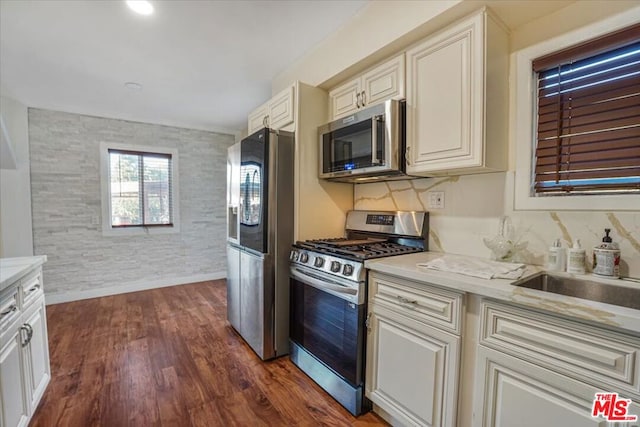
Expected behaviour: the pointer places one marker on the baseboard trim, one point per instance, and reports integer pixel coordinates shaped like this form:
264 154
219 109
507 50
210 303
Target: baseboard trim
68 296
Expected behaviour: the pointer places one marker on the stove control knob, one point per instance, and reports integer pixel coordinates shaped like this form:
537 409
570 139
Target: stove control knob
304 257
318 262
347 270
335 266
293 256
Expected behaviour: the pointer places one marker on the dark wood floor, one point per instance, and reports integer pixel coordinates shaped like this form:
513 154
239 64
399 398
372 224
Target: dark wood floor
167 357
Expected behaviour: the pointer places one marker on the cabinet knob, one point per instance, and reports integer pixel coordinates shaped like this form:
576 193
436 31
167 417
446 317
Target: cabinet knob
358 99
265 121
364 99
407 155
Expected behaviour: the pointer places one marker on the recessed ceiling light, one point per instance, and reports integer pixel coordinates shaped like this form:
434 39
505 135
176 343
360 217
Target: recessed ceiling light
133 85
142 7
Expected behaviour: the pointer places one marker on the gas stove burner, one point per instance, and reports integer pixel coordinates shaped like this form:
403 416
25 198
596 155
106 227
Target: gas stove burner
360 249
341 241
368 235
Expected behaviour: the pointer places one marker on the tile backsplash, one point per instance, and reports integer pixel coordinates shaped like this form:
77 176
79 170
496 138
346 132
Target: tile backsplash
474 204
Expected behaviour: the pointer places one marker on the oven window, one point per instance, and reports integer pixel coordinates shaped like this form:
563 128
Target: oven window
328 327
350 147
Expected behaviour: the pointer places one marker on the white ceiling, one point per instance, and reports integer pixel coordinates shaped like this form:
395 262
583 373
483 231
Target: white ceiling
202 64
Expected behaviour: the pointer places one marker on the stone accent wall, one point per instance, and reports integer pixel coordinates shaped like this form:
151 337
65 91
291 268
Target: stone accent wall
66 205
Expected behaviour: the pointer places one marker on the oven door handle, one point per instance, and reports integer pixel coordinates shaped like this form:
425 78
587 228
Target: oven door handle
323 283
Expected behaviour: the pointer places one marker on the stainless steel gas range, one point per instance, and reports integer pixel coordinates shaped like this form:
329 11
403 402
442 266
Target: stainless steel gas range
328 294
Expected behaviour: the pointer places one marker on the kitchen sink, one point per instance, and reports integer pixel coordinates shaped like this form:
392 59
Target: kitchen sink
585 289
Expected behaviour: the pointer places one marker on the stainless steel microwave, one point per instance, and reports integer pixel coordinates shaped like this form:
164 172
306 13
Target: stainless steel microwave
366 146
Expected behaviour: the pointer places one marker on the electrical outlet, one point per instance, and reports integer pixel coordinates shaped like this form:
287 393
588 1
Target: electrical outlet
436 199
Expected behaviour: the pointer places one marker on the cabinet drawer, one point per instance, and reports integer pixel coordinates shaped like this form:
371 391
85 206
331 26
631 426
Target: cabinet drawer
31 288
587 353
430 304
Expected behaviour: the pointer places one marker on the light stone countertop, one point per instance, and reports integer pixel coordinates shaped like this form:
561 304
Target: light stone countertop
12 269
404 266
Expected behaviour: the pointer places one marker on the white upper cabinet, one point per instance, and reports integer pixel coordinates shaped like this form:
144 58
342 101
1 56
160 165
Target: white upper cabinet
281 108
275 113
385 81
457 99
345 99
258 118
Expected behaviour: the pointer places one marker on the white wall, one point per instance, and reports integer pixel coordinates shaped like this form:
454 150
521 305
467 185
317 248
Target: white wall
384 27
15 186
475 203
66 193
365 39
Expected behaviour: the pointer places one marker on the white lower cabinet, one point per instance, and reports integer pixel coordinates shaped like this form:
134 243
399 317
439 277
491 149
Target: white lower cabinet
513 392
412 366
13 388
24 349
412 370
536 369
36 353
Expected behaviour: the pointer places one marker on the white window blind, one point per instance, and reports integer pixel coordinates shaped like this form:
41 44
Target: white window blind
588 121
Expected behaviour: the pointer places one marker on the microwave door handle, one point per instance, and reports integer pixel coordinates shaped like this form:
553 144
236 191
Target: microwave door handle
374 140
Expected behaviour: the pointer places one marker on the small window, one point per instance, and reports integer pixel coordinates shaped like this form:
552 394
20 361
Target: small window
588 117
139 189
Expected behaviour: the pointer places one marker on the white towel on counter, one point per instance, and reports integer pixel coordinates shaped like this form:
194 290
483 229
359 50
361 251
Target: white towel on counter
481 268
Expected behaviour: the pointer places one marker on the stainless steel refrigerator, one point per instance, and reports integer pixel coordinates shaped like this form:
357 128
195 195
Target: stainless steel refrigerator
260 234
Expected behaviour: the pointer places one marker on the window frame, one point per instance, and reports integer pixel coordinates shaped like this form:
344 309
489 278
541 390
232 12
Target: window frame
526 117
107 228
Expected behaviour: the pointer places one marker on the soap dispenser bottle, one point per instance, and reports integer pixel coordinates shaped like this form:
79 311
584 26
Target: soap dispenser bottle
556 258
577 259
606 257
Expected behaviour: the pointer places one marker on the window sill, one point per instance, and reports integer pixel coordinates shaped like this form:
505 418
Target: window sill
109 231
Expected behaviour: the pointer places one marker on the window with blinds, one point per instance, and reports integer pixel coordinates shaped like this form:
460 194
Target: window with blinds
140 189
588 117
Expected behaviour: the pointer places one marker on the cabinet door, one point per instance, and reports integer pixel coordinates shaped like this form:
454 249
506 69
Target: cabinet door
445 76
13 388
384 82
512 392
345 99
36 354
412 370
281 109
258 119
632 409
